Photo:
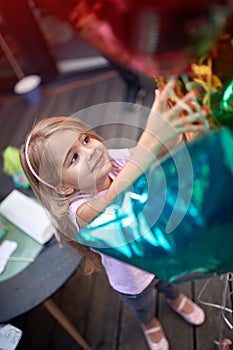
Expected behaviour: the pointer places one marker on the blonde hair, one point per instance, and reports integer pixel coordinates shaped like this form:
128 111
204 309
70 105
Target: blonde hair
42 173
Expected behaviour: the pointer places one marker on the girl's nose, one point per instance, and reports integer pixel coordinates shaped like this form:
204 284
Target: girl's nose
91 153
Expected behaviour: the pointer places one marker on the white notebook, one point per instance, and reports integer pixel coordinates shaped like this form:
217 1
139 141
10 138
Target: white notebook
28 215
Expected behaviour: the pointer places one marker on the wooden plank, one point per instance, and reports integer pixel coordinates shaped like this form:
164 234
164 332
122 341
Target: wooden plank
16 119
48 107
66 324
24 118
79 99
20 322
88 102
131 334
103 315
73 300
64 104
115 89
120 127
36 330
10 118
178 332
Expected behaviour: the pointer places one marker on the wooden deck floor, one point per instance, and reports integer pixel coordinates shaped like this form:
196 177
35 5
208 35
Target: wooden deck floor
93 307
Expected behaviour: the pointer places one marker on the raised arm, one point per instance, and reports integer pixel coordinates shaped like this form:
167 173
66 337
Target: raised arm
163 125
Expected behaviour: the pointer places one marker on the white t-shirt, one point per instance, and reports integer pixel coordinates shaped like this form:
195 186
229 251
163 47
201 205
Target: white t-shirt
123 277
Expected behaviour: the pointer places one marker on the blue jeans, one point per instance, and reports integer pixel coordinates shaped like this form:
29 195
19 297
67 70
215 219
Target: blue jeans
143 304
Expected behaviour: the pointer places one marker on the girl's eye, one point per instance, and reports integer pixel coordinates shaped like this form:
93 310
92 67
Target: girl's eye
86 140
74 158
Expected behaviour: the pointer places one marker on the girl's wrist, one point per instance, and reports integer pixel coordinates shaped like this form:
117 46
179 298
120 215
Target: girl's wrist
150 142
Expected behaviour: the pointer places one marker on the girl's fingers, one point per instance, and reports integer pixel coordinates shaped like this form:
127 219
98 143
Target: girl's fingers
166 94
182 105
189 119
191 128
156 104
161 100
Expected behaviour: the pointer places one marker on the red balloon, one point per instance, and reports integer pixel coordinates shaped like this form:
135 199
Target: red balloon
154 37
151 36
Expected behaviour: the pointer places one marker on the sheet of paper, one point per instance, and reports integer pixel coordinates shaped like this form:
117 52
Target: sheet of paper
6 249
9 337
28 215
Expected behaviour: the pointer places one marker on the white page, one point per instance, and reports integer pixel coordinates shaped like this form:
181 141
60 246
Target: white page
28 215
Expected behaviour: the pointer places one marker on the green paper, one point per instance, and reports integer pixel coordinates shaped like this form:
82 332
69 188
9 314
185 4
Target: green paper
27 248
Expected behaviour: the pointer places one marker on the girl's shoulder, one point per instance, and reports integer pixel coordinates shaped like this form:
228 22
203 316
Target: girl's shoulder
119 158
119 153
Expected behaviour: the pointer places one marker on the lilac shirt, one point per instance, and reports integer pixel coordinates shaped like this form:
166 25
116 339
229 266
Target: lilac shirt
123 277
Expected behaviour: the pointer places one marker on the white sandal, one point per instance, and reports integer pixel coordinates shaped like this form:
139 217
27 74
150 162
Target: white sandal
161 345
196 317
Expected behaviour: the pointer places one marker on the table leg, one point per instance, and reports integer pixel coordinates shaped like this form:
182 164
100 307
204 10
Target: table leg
65 323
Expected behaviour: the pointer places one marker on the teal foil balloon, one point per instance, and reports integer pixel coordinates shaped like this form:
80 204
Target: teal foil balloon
222 105
176 221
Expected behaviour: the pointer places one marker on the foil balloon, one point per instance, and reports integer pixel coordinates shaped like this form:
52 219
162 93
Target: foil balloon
177 221
222 105
153 37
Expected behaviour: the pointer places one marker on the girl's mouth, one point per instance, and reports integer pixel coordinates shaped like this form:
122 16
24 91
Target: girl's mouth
98 162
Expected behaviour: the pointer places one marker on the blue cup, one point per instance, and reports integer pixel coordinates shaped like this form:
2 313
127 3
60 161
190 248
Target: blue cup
29 88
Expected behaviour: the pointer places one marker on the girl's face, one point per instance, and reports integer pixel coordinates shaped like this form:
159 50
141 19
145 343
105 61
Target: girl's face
82 162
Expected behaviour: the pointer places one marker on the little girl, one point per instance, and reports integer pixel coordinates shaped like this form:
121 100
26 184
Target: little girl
75 177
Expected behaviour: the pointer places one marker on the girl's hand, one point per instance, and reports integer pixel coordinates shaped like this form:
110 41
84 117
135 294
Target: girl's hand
165 123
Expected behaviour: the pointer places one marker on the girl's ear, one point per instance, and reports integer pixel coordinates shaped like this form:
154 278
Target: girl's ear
64 190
